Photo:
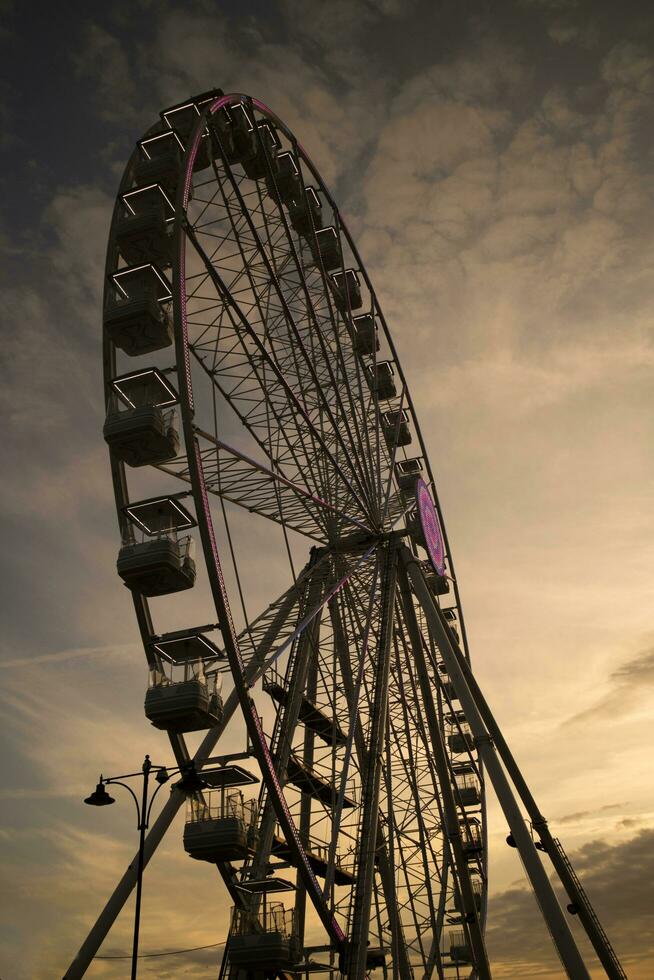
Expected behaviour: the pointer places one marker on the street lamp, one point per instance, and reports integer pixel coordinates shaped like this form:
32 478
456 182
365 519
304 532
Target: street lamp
191 782
99 796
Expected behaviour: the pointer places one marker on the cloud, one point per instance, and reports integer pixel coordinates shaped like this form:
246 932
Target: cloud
630 684
61 656
490 78
503 206
617 879
563 33
582 814
101 60
629 65
176 892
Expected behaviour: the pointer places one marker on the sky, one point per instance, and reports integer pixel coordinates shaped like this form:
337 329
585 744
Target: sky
494 163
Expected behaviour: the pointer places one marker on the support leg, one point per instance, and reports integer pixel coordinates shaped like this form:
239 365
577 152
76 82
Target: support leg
123 889
287 724
562 866
306 801
550 908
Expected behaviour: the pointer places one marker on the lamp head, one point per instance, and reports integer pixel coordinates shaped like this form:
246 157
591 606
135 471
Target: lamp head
99 797
162 776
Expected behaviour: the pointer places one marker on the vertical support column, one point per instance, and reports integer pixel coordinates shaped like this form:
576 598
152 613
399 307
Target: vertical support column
305 802
386 871
549 906
437 911
471 922
392 898
356 957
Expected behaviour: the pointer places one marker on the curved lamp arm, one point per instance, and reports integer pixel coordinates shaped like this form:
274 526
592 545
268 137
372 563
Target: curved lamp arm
152 798
117 782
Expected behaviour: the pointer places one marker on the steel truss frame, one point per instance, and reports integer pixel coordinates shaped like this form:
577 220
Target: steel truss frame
355 650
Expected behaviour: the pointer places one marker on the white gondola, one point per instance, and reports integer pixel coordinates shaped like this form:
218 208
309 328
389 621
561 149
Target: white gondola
381 378
326 248
477 891
162 561
407 474
220 827
141 424
365 335
286 181
159 161
395 426
468 790
183 698
264 941
144 229
137 319
346 290
305 213
459 947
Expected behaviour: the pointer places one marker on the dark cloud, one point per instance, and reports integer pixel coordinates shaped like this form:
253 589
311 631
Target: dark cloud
616 877
102 59
494 162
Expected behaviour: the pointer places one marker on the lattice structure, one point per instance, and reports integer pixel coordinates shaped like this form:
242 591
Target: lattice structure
237 301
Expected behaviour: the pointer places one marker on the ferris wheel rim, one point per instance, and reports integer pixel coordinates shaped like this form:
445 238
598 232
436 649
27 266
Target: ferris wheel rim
184 367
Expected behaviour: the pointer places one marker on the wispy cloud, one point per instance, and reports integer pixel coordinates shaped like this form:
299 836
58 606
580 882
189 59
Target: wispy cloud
629 684
583 814
495 168
61 656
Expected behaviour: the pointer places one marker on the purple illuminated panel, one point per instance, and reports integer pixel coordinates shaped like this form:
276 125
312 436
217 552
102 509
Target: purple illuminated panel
430 527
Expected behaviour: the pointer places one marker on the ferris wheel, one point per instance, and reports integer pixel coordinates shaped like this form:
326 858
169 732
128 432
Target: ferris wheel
290 570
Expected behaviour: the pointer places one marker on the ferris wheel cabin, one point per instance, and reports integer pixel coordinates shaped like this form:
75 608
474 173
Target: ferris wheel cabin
141 424
365 335
161 562
305 213
137 318
381 378
183 698
264 941
346 290
286 182
159 161
326 248
395 426
220 827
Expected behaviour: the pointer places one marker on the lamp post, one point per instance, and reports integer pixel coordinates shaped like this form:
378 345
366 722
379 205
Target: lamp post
191 782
